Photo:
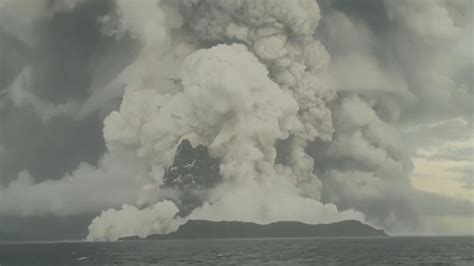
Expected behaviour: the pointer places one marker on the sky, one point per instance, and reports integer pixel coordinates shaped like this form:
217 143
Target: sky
317 111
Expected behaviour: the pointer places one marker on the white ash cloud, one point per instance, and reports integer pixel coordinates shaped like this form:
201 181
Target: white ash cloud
87 189
130 221
229 103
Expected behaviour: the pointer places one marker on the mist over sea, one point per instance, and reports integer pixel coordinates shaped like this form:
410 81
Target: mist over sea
299 251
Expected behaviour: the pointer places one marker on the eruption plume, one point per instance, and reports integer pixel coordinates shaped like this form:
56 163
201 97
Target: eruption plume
231 109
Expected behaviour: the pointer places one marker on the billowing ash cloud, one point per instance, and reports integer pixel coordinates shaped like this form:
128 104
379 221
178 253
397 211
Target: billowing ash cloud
401 64
285 110
131 221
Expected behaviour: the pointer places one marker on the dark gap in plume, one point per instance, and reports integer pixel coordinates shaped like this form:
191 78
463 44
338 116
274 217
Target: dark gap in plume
71 54
193 172
283 150
373 15
68 43
13 56
47 150
372 12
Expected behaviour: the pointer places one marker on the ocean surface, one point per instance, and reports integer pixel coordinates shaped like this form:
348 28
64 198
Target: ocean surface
304 251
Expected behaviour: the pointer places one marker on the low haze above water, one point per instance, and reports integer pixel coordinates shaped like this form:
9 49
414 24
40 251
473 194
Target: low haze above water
308 251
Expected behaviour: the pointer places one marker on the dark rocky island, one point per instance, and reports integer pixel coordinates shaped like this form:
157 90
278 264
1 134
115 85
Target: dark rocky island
197 229
192 174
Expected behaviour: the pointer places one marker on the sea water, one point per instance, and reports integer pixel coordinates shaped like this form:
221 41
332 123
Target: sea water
303 251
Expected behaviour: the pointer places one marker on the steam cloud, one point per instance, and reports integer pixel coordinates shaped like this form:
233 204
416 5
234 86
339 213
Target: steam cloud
298 134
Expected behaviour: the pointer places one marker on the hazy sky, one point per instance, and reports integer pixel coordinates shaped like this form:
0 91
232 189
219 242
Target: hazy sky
318 111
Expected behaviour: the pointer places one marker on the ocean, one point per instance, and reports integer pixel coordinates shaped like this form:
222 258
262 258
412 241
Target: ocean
302 251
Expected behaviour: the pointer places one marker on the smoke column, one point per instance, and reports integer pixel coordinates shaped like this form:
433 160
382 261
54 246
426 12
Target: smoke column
237 100
299 103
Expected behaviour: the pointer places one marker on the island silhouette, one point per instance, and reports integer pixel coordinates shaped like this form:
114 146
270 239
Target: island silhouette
200 229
